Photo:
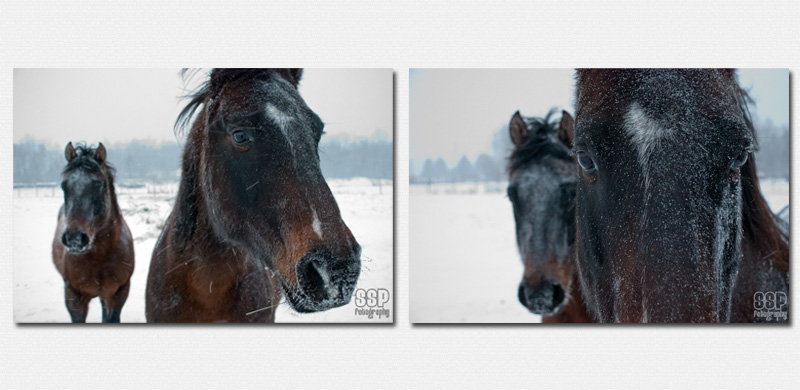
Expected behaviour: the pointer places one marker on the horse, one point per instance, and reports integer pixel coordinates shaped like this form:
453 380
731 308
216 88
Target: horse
253 219
92 247
541 189
670 222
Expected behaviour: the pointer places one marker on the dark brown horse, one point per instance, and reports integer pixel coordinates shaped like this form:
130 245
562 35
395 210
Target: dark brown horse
253 216
541 188
671 224
92 248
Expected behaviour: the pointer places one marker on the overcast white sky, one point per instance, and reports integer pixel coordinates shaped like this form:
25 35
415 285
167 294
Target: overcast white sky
120 105
455 112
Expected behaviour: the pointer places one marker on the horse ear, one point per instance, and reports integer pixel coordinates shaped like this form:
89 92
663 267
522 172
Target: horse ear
730 73
69 152
518 129
100 153
566 128
292 75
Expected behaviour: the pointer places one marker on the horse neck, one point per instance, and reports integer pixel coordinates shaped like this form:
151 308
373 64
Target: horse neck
110 220
112 197
761 233
191 229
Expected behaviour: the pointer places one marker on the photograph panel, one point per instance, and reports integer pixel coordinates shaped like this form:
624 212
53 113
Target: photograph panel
203 195
599 195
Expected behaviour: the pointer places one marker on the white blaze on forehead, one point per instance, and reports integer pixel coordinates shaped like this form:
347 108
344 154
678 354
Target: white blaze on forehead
315 224
280 118
645 135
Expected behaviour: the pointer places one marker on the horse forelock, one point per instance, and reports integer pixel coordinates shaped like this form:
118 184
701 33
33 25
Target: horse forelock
218 78
542 142
85 160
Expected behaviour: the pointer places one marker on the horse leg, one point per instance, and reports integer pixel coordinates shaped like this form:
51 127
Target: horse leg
77 303
112 307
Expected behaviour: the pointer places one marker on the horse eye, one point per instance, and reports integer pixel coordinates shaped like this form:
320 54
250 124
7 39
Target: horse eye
739 160
240 137
586 162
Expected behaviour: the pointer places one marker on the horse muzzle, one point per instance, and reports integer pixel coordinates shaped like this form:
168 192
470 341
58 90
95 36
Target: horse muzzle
76 242
325 281
545 298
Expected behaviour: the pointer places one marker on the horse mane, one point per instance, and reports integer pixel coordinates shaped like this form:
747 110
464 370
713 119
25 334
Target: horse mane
186 203
539 143
758 221
218 78
84 159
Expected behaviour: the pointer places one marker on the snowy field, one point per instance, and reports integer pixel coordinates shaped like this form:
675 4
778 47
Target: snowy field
464 263
366 206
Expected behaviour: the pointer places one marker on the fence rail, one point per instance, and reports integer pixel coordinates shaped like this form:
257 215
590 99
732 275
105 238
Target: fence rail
30 190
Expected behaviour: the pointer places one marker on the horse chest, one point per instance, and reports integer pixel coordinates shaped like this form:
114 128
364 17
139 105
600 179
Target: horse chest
92 274
210 285
228 292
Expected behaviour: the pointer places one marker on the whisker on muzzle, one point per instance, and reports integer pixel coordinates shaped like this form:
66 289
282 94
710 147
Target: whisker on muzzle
264 308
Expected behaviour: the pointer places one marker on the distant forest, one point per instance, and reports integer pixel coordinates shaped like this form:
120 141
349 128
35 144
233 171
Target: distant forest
36 163
772 159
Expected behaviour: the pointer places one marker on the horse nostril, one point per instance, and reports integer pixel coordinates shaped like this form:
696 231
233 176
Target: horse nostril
327 285
558 295
75 240
313 279
521 295
327 281
543 298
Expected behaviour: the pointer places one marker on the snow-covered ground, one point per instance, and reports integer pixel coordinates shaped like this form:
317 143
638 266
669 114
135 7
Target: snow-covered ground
464 263
367 209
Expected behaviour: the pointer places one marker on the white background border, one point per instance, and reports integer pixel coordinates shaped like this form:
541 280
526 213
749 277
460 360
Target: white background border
396 35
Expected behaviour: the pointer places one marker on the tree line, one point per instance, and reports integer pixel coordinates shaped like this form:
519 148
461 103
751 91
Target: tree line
136 161
35 162
485 168
772 158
